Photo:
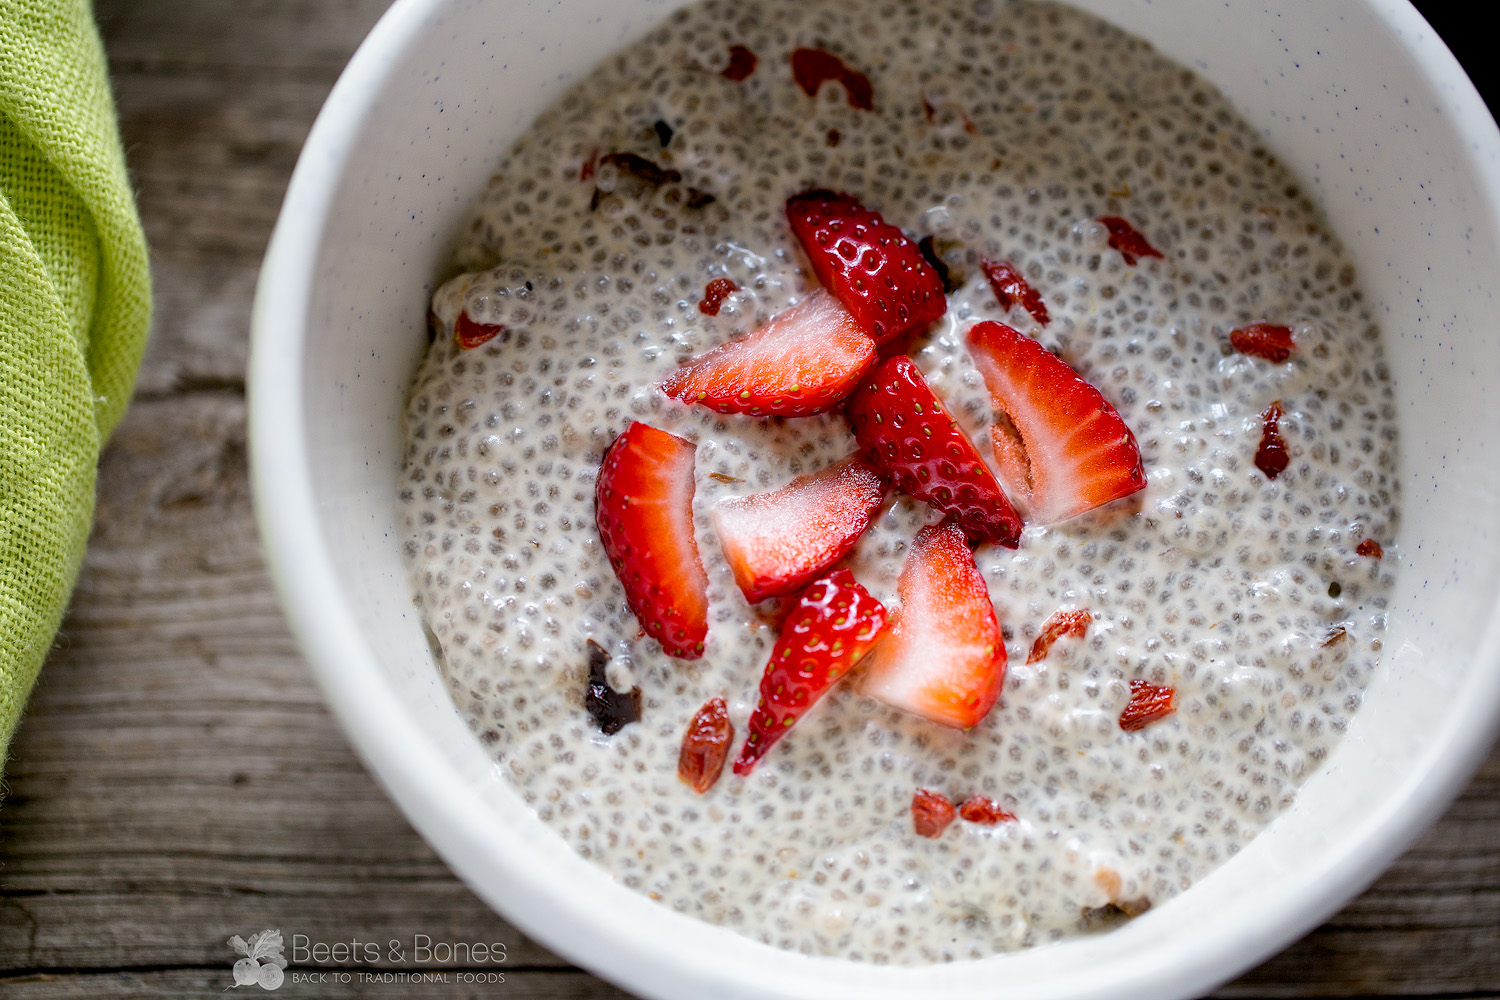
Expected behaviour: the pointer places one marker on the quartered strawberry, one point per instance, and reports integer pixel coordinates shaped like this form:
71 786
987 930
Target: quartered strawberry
1011 288
1128 240
1272 457
833 625
1074 623
779 541
1148 703
985 811
643 503
1264 340
1062 449
804 361
942 656
931 813
705 746
907 432
878 274
468 334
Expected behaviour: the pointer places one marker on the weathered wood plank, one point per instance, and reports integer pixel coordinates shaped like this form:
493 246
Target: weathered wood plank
171 984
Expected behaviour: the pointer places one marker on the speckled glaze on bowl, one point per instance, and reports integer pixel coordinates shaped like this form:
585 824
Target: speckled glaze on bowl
1361 99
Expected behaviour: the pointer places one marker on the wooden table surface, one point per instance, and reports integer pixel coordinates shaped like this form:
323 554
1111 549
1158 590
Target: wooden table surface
177 780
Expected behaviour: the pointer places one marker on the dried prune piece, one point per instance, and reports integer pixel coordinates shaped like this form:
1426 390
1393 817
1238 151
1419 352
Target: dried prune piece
611 710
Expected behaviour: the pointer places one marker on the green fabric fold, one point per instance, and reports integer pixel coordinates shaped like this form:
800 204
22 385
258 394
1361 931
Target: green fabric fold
75 307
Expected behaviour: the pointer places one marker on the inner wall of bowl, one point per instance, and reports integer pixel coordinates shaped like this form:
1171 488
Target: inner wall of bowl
1339 97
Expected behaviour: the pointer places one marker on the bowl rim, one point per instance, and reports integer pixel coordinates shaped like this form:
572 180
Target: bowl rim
420 780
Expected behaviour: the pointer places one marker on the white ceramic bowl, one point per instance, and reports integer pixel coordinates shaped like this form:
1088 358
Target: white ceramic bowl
1361 99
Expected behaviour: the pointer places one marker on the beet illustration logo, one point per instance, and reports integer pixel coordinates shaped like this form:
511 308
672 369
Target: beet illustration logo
263 960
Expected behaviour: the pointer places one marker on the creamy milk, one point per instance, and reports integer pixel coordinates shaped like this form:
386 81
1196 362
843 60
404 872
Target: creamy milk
1003 130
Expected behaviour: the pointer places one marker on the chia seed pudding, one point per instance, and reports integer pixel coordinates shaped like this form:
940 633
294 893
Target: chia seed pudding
1003 130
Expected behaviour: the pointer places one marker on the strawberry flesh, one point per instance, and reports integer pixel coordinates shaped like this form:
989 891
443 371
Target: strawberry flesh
468 334
1148 703
1062 449
1011 288
1074 623
942 657
643 503
804 361
741 63
1264 340
1369 547
985 811
1128 240
931 813
812 68
1271 457
878 274
777 542
714 294
705 746
907 432
832 627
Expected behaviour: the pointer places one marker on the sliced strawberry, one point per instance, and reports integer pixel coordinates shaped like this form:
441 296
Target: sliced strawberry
468 334
1128 240
1074 623
1011 288
705 746
1370 548
802 362
833 625
779 541
1271 457
906 431
875 271
985 811
1062 449
1264 340
643 503
931 813
1148 703
942 656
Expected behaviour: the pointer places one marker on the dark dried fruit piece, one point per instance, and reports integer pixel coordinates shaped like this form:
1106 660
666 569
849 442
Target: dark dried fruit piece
611 710
1264 340
663 132
812 68
705 746
468 334
1074 623
641 168
1128 240
931 812
1010 288
714 294
741 63
1370 547
1148 703
1271 457
985 811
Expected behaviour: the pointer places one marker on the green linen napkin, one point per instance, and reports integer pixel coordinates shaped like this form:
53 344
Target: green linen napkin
75 305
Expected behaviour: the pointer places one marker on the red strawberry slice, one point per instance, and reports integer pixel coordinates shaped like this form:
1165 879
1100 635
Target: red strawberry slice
875 271
1010 288
803 362
1128 240
778 542
942 656
907 432
1264 340
1074 623
1148 703
1062 449
643 503
833 625
931 813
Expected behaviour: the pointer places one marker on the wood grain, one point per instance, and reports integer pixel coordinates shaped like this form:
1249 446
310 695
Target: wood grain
177 779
